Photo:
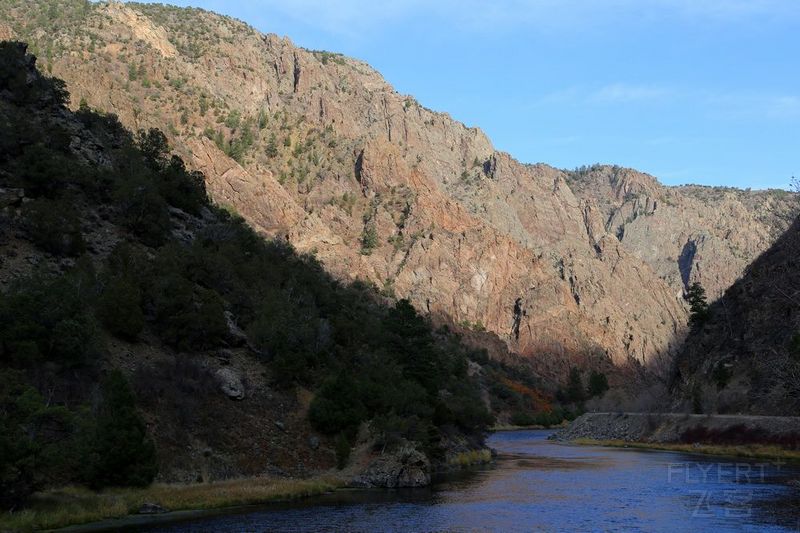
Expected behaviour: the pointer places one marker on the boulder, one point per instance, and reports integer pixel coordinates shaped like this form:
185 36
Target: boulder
151 508
231 383
405 467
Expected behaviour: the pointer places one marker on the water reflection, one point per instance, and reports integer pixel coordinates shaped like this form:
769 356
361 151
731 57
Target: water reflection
544 486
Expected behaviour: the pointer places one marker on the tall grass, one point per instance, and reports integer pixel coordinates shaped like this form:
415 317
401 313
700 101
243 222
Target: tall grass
747 451
72 505
470 458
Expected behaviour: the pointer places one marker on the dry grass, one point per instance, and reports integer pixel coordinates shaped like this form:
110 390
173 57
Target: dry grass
72 505
471 458
749 451
511 427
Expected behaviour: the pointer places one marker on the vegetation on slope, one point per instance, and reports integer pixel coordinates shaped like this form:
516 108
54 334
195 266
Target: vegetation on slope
178 272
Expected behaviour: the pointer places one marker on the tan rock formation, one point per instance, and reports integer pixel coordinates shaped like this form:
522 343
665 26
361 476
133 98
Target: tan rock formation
329 156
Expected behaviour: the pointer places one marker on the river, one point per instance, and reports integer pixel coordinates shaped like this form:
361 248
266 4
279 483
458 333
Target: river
539 485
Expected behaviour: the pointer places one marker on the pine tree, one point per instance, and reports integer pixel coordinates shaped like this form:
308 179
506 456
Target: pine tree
598 384
120 453
575 390
272 147
699 313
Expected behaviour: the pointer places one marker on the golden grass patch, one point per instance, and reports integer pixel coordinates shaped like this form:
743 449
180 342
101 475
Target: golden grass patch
72 505
750 451
470 458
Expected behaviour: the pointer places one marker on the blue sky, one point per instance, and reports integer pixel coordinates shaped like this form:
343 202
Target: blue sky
691 91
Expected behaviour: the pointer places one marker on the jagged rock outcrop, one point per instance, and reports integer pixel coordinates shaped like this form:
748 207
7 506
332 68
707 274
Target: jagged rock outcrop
405 467
319 149
689 233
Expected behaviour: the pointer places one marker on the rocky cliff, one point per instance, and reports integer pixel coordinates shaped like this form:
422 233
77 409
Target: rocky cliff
686 234
320 149
746 357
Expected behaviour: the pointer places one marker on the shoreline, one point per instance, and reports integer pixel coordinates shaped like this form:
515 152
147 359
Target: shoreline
740 451
79 509
495 429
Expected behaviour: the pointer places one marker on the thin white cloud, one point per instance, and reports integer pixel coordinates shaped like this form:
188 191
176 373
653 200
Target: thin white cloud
784 107
626 93
754 105
725 105
354 17
620 93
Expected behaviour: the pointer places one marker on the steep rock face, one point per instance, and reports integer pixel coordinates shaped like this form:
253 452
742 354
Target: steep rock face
318 148
690 233
746 358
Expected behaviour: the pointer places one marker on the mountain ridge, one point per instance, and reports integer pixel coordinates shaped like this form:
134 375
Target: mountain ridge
381 188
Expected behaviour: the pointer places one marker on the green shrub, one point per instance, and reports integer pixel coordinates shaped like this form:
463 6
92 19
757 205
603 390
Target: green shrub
187 317
44 318
120 307
337 407
142 210
272 147
37 441
43 171
342 451
120 453
575 392
598 384
54 226
543 418
18 454
181 188
369 238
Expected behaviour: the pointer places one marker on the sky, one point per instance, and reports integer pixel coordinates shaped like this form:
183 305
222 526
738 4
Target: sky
691 91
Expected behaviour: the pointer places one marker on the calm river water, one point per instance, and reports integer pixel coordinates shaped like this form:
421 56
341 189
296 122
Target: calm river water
538 485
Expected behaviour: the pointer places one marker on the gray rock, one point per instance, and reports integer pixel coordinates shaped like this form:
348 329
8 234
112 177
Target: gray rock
224 357
313 442
236 337
405 467
151 508
280 425
11 197
231 383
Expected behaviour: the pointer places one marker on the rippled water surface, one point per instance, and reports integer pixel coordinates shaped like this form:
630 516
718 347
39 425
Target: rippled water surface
538 485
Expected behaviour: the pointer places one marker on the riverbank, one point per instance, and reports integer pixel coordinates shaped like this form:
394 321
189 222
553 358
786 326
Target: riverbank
73 506
769 453
509 427
745 436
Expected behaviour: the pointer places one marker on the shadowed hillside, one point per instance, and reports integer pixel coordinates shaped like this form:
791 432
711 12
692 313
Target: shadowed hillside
318 148
746 356
147 333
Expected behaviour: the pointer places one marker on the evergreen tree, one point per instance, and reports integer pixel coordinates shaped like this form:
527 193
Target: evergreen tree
575 391
598 384
120 307
120 453
272 147
696 296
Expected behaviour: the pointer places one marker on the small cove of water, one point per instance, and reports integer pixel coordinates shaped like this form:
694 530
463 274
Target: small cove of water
539 485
